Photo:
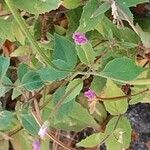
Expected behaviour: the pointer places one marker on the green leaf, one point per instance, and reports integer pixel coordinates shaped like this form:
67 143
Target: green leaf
124 12
92 140
130 3
121 137
122 69
101 9
75 87
47 109
4 64
145 37
37 6
65 108
122 34
45 144
88 23
22 70
114 107
71 4
65 50
99 112
73 17
18 34
5 28
16 91
51 74
20 51
6 119
98 84
28 122
21 141
76 120
32 81
86 53
5 86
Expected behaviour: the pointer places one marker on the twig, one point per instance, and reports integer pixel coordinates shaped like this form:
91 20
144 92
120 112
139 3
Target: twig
121 97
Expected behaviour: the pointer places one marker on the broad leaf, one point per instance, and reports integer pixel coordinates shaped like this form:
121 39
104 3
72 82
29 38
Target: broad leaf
65 50
5 28
98 84
130 3
28 122
32 81
121 137
74 88
76 120
5 86
6 119
4 64
73 17
18 34
22 70
101 9
114 107
37 6
122 69
21 141
71 4
92 140
122 34
88 23
51 74
86 53
65 108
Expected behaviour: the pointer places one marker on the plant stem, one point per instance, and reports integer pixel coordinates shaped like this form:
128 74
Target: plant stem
133 82
121 97
50 135
25 30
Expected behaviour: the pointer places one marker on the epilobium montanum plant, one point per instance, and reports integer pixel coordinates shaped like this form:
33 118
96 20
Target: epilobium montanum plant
69 67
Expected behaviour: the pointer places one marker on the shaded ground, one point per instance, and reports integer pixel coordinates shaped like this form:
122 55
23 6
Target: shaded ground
139 116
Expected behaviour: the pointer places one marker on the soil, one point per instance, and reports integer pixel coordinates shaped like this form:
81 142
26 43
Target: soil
139 115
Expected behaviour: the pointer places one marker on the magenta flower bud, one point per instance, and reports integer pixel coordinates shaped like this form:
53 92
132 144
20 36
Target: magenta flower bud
90 95
36 145
43 130
79 38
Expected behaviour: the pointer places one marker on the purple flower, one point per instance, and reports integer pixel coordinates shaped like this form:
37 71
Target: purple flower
80 38
90 95
43 130
36 145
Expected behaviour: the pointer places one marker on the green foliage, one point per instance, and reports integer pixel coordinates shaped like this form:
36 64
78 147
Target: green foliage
71 4
32 81
86 53
5 28
87 22
118 106
36 6
119 129
4 64
28 122
93 140
73 88
5 85
6 119
21 141
65 50
76 120
51 74
47 75
122 69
